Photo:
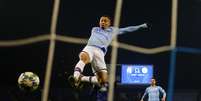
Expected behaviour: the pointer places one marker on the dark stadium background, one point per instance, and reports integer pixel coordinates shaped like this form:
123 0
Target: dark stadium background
25 18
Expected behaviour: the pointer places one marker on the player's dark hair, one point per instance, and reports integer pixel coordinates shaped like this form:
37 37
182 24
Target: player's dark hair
153 78
107 17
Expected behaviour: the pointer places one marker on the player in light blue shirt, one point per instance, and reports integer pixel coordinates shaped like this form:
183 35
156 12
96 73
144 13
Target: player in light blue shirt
154 92
102 36
96 48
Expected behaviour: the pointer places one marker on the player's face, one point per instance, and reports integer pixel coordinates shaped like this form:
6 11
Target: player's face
104 22
153 82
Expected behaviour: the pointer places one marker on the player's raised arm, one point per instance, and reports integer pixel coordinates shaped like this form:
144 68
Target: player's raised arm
131 28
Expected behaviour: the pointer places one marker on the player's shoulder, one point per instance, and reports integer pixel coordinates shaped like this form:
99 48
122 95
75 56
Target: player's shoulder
93 28
112 27
149 87
159 87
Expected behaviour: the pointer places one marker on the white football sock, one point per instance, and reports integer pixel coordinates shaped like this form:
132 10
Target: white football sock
90 79
78 69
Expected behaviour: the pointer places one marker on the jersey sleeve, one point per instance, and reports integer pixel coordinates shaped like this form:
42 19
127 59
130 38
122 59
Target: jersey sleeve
162 91
131 28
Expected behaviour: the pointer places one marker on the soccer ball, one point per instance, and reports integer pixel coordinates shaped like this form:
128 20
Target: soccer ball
28 81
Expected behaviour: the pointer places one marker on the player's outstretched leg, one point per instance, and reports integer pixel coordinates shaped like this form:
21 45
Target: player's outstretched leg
77 75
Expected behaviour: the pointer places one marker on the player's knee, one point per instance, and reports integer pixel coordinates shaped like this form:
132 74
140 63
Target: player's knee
105 79
84 57
102 81
102 77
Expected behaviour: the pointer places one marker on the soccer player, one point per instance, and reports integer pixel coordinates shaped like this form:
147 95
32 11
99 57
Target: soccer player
96 48
153 92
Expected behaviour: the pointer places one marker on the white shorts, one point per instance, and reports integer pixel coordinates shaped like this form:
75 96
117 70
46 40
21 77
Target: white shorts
96 56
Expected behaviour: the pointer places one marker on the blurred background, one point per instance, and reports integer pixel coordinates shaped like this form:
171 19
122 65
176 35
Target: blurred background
26 18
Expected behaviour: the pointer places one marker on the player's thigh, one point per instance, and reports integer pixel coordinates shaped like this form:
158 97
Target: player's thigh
87 54
99 60
98 64
102 75
84 56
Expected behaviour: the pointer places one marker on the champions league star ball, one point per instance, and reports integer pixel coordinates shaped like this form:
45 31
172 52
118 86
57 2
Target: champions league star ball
28 81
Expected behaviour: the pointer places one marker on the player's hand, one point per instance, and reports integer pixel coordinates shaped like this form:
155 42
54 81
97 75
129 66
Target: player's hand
163 99
144 25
